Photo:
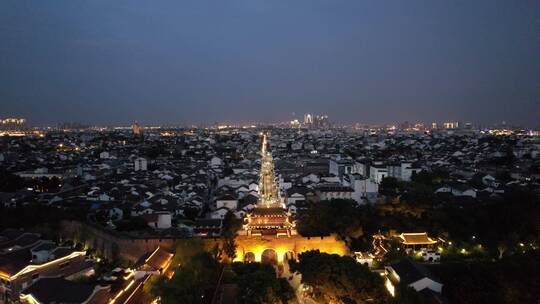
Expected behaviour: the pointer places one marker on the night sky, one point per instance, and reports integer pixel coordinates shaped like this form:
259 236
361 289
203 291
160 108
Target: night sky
191 62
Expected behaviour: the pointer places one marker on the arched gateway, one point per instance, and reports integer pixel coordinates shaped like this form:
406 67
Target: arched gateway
249 257
270 248
269 256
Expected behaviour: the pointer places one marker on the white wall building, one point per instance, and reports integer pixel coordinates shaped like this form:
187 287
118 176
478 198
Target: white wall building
140 164
403 171
339 167
377 173
159 220
364 188
228 202
104 155
411 274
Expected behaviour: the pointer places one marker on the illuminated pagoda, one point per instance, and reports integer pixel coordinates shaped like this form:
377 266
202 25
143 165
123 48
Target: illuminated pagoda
269 217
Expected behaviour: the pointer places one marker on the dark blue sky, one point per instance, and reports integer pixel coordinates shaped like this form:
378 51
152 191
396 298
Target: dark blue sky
263 60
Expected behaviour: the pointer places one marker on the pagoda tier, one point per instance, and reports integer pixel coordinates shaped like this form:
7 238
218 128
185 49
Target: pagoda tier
272 220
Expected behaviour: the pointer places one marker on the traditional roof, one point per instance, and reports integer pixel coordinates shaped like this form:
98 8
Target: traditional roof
60 290
10 234
334 188
159 259
47 246
272 218
410 272
268 212
21 241
208 223
12 263
154 217
416 239
227 197
61 252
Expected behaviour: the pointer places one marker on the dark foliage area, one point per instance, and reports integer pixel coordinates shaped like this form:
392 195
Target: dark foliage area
507 220
11 182
193 282
513 279
258 284
132 224
339 279
500 235
36 214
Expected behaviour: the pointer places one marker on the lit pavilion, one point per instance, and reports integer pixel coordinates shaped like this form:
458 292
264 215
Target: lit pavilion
416 241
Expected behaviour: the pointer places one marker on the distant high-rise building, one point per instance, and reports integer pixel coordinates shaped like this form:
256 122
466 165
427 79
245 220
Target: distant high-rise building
308 119
136 128
404 125
434 125
316 121
419 127
321 121
72 126
451 125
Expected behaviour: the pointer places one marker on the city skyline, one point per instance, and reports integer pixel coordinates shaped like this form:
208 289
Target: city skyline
323 122
197 62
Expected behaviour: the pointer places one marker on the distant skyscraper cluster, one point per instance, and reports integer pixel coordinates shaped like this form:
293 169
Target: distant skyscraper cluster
12 123
451 125
72 126
316 121
447 125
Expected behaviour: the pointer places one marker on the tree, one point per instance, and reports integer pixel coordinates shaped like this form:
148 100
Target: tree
501 249
339 279
191 213
192 282
259 284
351 223
512 279
229 248
389 186
10 182
336 216
407 295
394 254
231 224
131 224
418 193
217 252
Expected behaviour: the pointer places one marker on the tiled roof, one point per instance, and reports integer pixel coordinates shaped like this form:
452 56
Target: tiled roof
416 239
59 290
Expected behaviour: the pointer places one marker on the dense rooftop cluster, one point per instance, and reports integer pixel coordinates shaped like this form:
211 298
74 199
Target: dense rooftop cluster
171 178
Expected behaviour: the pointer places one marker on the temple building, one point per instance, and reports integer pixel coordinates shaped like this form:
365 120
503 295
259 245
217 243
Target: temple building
417 241
269 217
